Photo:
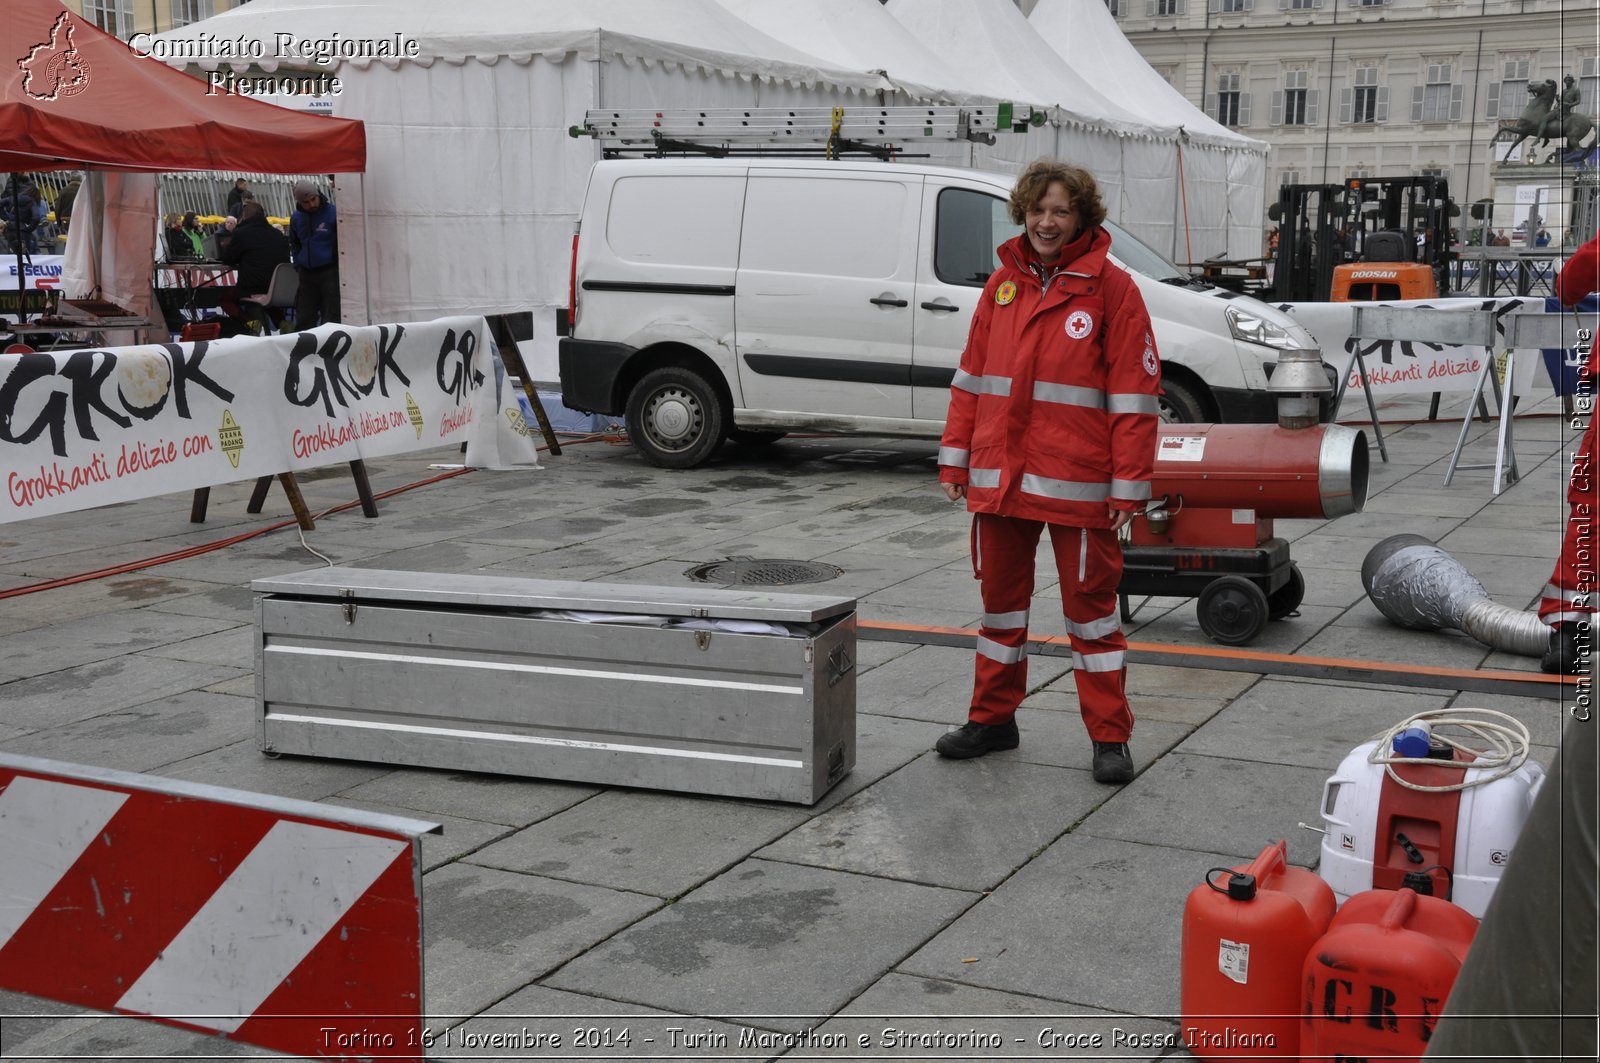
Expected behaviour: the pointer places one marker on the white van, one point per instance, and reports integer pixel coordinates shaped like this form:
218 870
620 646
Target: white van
745 298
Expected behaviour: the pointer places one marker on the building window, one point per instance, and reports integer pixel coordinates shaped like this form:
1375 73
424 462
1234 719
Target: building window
1169 74
1298 5
113 16
1164 8
1229 105
1509 95
187 11
1296 102
1115 7
1365 102
1289 177
1372 3
1359 172
1438 98
1589 82
1229 7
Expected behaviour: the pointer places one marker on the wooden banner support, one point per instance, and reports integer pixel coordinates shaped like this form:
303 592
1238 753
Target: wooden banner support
505 340
291 490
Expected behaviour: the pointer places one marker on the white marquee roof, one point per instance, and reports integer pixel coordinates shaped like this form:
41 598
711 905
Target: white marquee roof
690 33
858 35
1087 36
990 46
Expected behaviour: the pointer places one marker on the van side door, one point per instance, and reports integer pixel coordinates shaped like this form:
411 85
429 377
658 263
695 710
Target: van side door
823 311
962 225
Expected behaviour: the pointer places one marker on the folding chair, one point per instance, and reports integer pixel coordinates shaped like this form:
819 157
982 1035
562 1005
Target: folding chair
279 295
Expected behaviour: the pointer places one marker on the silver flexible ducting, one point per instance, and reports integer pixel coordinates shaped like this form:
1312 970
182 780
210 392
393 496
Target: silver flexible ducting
1417 585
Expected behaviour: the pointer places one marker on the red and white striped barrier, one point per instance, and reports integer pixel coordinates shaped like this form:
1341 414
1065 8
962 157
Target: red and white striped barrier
285 924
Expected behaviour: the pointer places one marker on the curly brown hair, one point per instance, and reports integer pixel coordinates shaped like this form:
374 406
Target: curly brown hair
1082 192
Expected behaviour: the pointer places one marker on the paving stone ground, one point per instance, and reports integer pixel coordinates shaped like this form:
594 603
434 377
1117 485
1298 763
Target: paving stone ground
952 903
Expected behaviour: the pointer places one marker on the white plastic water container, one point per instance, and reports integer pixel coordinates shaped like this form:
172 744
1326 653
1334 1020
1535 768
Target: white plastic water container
1488 822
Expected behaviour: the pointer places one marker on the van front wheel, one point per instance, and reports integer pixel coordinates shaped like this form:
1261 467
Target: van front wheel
1179 404
675 418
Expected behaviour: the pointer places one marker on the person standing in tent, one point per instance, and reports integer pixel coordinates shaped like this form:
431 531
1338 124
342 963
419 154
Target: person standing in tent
236 194
64 202
314 241
22 209
1053 416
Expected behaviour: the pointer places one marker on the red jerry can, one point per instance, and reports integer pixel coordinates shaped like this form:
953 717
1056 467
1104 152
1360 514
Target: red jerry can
1376 982
1245 940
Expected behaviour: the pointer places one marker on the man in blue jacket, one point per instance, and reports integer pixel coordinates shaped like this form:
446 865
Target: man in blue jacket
314 243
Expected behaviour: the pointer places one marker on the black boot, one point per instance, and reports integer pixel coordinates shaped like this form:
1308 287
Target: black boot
1112 762
975 739
1566 656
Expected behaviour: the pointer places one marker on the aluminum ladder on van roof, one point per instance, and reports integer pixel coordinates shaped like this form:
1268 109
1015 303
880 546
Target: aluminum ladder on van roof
878 131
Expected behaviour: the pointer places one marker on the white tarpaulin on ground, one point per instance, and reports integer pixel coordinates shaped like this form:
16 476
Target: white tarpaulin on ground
92 427
1223 173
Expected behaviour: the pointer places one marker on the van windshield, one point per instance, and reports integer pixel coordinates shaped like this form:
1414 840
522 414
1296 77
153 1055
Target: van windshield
1137 255
971 225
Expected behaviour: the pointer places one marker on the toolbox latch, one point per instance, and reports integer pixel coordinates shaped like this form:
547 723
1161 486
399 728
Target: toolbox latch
349 597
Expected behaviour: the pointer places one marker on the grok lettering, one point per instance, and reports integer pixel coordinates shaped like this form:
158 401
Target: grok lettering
83 383
324 374
457 373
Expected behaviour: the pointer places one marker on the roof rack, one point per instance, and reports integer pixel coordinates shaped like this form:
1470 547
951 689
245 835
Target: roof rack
882 132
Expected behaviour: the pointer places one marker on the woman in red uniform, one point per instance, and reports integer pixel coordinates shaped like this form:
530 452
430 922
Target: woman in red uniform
1568 602
1052 423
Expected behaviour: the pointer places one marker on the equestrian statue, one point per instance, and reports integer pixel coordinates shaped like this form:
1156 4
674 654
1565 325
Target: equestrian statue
1550 116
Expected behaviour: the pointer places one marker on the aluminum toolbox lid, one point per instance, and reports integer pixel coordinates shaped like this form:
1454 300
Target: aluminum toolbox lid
342 583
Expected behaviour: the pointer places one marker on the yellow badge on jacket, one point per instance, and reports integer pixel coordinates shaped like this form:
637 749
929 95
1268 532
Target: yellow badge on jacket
1005 293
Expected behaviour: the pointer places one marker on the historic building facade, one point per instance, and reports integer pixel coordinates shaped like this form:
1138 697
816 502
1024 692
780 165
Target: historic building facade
124 18
1348 88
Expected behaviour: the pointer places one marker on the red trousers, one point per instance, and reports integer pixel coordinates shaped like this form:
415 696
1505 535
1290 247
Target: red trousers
1570 594
1089 561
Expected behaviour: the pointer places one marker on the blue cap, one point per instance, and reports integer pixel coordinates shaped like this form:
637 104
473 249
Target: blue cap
1412 742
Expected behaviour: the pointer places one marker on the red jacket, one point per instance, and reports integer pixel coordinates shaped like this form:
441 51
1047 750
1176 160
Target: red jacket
1581 274
1053 412
1579 277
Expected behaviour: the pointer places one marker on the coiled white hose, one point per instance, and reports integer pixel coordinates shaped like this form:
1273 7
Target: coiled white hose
1505 742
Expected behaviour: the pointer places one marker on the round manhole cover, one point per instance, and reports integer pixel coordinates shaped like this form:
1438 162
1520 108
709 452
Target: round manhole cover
762 572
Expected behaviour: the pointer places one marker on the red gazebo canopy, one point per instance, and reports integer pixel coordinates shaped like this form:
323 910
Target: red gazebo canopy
77 98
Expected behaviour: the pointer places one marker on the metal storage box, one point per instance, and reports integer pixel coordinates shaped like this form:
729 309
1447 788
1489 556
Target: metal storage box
586 682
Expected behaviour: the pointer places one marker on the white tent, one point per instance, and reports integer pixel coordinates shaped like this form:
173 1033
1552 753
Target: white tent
1124 150
1134 160
1223 173
861 35
473 184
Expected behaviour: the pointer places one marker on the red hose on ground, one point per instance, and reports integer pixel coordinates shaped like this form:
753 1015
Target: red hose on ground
206 548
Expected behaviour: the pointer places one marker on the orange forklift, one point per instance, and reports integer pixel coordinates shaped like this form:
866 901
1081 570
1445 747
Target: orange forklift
1369 239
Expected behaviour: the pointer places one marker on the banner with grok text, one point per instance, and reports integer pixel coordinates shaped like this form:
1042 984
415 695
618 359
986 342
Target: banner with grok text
1399 366
91 427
